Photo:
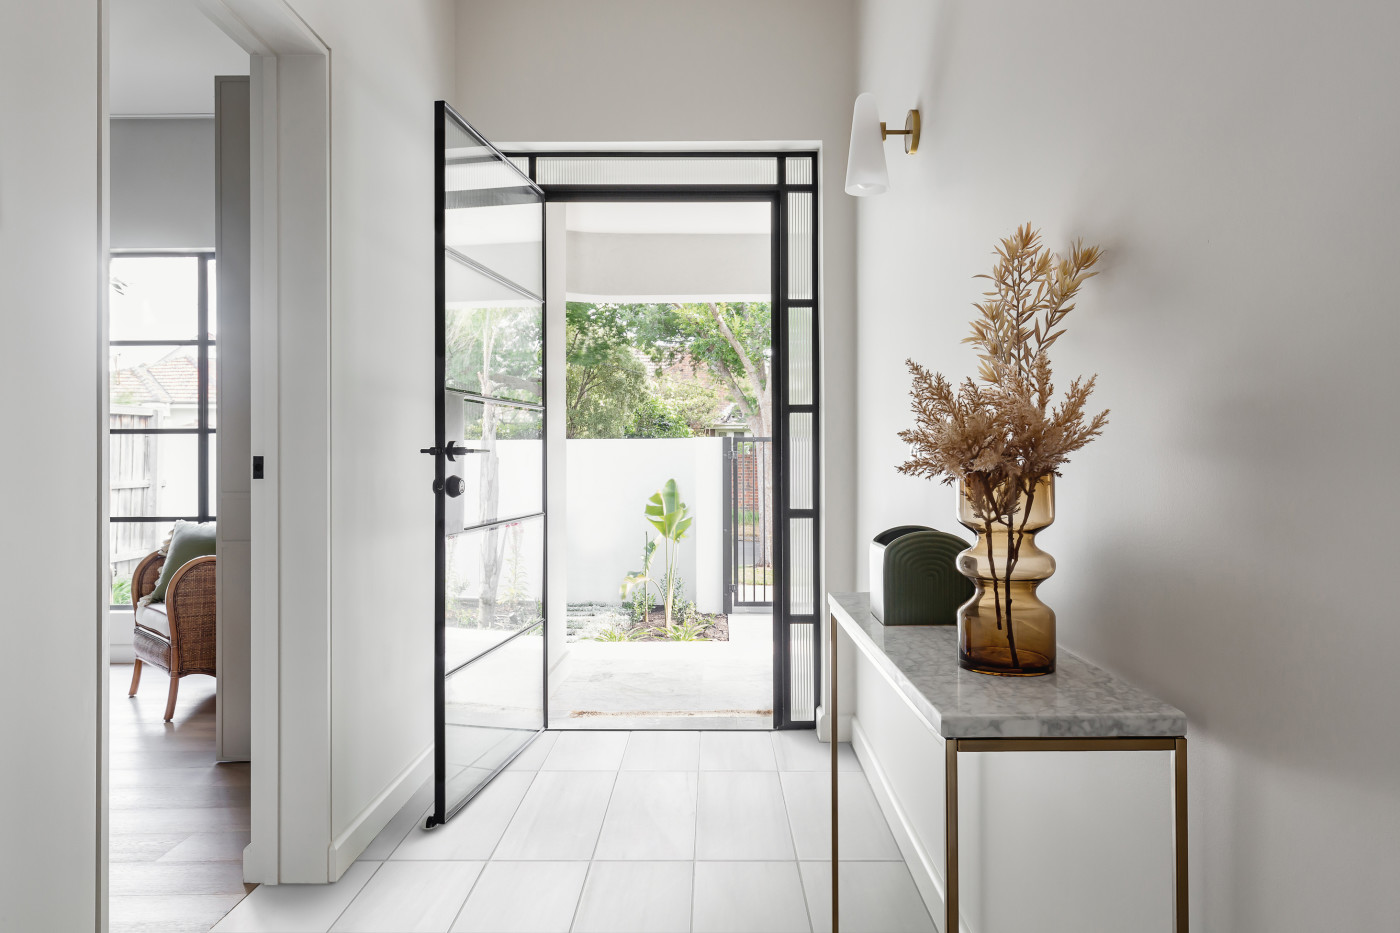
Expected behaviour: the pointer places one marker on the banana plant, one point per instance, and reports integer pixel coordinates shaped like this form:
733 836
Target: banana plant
671 518
641 578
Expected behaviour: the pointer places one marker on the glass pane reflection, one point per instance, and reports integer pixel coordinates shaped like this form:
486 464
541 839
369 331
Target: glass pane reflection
493 707
495 587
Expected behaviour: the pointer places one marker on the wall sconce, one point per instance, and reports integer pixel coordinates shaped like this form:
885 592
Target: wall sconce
866 173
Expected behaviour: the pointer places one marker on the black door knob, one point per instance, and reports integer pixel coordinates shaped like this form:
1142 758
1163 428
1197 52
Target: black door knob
455 486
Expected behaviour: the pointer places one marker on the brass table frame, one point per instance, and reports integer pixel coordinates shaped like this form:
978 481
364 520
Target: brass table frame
952 747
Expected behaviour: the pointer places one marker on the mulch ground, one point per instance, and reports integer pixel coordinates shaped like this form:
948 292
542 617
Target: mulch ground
716 626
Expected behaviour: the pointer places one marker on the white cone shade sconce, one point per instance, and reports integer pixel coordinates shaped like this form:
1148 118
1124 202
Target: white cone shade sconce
866 173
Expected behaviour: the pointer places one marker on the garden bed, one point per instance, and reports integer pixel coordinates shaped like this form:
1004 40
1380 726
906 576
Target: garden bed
603 622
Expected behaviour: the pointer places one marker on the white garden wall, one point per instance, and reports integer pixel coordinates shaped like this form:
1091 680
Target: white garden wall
609 482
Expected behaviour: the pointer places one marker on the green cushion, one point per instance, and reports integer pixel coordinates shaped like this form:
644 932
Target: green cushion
189 540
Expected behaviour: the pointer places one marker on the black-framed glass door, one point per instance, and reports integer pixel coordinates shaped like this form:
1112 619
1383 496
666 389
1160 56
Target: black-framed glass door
489 461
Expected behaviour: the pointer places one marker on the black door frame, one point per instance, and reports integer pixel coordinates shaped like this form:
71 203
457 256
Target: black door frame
776 195
442 812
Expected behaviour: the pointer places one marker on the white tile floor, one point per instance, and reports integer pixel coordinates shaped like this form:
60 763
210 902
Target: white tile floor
710 832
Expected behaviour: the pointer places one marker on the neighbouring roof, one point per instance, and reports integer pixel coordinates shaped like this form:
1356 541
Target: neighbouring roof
171 381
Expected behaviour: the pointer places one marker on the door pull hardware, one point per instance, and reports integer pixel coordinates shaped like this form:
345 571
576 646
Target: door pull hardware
257 467
451 451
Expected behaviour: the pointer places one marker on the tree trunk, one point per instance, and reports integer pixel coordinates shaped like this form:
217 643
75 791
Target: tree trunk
489 487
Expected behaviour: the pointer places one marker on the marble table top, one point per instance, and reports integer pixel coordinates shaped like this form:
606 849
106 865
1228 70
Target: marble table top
1077 700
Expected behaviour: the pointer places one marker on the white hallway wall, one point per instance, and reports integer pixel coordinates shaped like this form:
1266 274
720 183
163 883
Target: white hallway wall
1221 545
389 62
608 484
664 70
51 249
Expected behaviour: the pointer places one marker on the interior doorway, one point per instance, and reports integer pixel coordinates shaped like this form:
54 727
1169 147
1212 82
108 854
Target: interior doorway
178 555
669 364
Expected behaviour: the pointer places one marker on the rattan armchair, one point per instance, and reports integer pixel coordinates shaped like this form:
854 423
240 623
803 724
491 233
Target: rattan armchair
176 636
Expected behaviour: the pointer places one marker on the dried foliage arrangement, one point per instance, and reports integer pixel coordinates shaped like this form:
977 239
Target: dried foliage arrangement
1001 436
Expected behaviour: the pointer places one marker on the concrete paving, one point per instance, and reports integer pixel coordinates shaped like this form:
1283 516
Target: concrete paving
670 685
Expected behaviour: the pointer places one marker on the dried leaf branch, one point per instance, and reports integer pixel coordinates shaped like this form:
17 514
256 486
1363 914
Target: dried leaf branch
1001 437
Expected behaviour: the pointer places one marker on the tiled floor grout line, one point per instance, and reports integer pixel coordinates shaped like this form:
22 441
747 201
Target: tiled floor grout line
695 831
796 856
352 900
589 873
490 856
470 888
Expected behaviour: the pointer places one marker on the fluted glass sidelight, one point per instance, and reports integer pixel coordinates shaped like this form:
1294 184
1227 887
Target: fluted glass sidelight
1005 628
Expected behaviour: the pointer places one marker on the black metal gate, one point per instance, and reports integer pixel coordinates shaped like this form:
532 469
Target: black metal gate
748 530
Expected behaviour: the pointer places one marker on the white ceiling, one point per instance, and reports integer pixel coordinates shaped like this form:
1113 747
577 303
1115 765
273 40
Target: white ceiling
164 56
733 217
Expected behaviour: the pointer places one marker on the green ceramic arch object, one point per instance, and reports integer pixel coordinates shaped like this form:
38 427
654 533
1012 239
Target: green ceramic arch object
914 577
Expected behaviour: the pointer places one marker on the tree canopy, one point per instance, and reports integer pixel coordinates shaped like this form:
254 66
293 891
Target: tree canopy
612 392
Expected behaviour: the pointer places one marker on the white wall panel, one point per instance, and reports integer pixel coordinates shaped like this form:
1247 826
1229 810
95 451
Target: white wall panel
389 63
52 482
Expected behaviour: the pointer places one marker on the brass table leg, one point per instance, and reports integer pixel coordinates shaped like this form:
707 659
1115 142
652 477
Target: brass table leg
950 836
1180 912
1177 746
835 746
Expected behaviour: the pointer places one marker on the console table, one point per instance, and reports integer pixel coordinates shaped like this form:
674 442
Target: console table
1078 708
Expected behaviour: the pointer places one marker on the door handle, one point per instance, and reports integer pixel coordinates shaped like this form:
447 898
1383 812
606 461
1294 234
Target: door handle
452 451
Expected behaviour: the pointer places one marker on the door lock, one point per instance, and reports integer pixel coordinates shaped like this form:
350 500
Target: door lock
454 486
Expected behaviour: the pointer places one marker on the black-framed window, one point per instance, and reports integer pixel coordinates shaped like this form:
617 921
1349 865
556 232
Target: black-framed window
162 411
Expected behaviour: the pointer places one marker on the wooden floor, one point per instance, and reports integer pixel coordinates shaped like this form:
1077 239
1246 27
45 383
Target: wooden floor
179 820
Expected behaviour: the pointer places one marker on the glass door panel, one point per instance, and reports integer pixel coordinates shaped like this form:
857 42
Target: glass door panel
492 708
502 440
489 474
493 214
493 348
495 587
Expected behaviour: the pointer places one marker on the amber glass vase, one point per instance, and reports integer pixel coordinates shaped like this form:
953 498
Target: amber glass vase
1005 628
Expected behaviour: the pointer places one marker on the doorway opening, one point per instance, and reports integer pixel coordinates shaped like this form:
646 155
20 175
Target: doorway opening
177 411
668 413
785 556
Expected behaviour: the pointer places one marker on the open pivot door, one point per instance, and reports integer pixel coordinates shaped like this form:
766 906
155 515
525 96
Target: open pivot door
488 452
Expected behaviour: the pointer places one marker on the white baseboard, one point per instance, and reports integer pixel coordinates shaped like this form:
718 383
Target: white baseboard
920 861
121 654
346 847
